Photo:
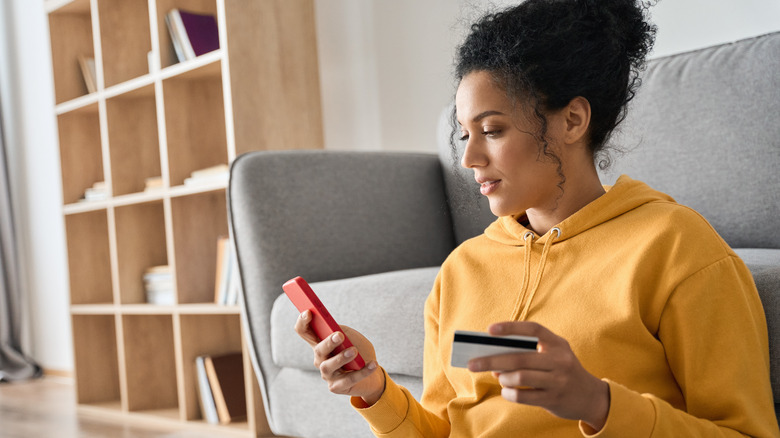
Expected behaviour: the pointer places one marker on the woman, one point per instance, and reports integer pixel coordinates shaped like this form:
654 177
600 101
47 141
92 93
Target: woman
648 323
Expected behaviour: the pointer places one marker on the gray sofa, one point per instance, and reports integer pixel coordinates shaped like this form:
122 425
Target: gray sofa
369 230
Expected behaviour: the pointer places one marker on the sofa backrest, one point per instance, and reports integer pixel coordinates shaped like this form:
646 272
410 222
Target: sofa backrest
704 129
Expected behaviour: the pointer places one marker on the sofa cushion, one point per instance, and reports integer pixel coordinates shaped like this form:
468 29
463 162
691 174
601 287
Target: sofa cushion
759 259
764 264
387 308
305 391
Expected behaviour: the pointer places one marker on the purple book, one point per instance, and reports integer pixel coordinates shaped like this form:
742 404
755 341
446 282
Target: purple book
197 33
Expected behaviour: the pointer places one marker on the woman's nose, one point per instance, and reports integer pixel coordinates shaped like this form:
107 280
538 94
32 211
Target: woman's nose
472 156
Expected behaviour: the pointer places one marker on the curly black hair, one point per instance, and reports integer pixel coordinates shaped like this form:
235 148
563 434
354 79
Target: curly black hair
544 53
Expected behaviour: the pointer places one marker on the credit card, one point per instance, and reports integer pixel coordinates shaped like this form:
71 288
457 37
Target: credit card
468 345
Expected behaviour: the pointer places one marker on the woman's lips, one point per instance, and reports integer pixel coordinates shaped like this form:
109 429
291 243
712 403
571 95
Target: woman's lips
488 187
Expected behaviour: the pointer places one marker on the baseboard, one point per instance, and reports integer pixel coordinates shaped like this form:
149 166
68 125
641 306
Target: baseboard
58 373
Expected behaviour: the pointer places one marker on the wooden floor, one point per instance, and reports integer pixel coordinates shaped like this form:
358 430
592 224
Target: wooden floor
47 408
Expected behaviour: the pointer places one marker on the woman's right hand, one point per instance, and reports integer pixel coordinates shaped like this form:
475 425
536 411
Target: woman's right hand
365 383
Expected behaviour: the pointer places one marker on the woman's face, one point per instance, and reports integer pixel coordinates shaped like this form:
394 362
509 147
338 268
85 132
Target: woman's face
507 159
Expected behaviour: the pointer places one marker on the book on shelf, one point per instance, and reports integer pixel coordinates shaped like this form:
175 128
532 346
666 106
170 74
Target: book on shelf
218 174
98 192
234 283
158 285
192 34
153 183
223 270
227 284
226 379
206 399
87 65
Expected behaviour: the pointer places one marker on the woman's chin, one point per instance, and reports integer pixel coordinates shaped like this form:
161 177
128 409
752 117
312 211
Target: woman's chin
499 209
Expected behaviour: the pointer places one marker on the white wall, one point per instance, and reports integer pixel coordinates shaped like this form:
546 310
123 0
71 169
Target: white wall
405 48
348 74
33 155
693 24
385 70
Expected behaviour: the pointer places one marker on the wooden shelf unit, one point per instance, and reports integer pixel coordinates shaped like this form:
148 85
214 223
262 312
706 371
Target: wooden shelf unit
152 116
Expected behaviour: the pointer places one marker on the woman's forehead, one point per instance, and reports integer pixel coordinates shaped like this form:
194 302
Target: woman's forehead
478 93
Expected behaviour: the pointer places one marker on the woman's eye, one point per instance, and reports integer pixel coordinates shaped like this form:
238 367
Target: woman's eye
464 136
491 133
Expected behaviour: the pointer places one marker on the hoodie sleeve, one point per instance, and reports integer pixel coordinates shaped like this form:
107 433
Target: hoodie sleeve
397 414
714 333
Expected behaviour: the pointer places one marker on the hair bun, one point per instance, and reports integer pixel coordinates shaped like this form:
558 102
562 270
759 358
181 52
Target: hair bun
627 27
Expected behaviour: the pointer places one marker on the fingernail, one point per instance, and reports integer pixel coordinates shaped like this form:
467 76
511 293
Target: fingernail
305 314
475 365
372 366
336 337
349 353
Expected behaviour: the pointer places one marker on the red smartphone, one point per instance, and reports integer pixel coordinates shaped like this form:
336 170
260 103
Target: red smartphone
304 298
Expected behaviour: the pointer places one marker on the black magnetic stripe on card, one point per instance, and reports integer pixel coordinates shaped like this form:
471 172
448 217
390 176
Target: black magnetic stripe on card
503 342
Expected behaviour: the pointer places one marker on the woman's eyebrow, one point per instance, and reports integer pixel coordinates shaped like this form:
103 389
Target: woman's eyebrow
482 115
487 113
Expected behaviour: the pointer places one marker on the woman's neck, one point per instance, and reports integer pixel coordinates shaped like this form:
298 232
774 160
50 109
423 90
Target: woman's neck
579 190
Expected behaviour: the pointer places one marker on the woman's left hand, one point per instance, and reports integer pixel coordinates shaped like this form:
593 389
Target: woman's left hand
552 379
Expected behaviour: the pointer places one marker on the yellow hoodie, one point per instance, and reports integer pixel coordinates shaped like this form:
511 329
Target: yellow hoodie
649 297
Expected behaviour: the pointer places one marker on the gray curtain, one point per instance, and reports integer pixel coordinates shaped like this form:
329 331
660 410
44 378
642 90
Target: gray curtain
14 365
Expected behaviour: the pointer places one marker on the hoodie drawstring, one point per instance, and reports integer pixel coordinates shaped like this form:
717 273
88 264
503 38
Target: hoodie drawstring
528 238
527 273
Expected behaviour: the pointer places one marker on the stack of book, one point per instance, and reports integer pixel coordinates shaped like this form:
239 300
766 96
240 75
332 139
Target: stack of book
153 183
192 34
158 283
227 284
221 388
218 174
98 192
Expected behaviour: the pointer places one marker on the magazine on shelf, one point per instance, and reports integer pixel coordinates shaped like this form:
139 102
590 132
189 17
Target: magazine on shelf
207 406
192 34
227 285
87 65
226 376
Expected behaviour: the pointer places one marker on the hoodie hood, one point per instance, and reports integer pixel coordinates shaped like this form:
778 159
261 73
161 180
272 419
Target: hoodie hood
625 195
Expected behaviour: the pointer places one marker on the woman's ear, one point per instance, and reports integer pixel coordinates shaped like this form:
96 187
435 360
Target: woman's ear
577 117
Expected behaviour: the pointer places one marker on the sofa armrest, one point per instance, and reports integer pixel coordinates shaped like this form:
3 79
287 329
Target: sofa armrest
328 215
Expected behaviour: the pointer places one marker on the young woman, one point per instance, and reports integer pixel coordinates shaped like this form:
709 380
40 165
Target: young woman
649 325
